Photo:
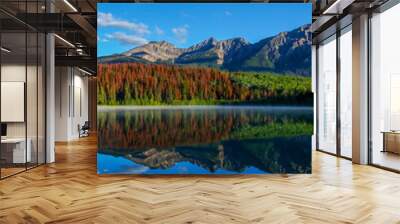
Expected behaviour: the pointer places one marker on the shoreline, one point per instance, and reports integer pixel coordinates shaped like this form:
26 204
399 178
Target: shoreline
201 107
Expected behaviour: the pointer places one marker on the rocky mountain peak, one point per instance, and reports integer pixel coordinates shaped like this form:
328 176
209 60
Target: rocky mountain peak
155 51
286 52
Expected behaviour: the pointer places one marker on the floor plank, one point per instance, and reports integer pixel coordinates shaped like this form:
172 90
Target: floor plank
70 191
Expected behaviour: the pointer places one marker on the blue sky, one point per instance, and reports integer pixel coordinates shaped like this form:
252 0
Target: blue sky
122 26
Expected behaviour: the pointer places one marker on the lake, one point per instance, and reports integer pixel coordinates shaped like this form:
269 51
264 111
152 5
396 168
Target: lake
204 139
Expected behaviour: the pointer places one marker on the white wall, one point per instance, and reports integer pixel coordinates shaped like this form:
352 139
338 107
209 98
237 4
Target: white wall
33 126
12 73
80 94
71 87
62 82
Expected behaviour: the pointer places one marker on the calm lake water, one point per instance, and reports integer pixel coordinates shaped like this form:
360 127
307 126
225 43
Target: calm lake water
204 140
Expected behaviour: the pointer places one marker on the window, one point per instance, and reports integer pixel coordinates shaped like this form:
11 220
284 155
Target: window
327 95
346 92
385 89
22 77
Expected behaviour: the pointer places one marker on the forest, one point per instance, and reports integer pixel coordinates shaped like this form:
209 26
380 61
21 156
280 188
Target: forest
156 84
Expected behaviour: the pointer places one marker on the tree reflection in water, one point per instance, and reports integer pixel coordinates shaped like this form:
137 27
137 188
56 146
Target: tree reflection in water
232 138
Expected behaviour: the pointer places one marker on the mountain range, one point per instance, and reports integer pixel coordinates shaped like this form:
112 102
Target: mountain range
286 52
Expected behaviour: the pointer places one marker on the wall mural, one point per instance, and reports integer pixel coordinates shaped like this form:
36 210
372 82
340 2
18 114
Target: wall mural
204 88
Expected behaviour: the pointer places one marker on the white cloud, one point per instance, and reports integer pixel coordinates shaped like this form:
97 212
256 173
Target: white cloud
181 33
159 31
126 39
99 39
108 20
227 13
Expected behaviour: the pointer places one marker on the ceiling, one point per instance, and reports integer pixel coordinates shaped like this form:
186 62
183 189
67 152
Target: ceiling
329 16
75 22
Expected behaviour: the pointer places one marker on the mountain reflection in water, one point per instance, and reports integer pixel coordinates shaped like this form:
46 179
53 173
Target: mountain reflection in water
203 140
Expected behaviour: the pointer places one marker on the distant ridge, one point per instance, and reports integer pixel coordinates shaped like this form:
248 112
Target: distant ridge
286 52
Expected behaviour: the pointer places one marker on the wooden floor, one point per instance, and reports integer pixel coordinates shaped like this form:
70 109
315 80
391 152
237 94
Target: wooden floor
5 172
70 191
387 159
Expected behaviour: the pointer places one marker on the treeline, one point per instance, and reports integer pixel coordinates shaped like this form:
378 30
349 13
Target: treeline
154 84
